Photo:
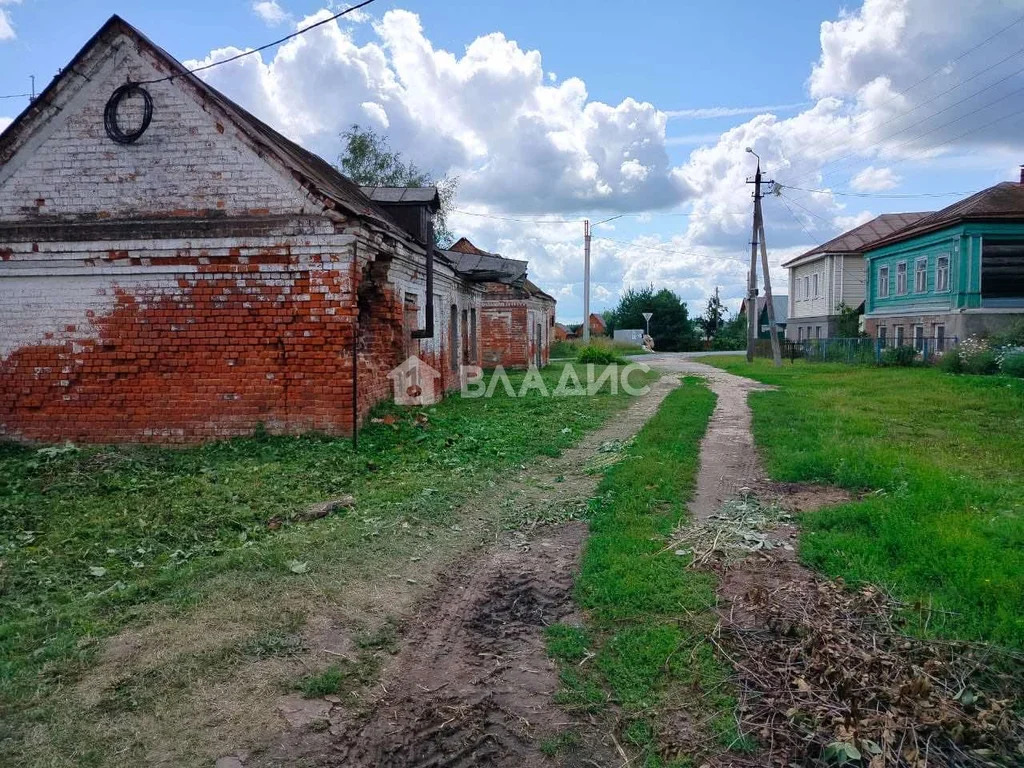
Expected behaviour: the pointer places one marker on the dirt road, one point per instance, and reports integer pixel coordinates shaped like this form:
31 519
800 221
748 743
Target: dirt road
472 684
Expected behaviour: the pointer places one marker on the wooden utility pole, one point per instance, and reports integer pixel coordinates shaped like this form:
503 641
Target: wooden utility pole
586 281
772 329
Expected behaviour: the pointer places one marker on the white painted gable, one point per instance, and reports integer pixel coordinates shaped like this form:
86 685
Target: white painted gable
191 161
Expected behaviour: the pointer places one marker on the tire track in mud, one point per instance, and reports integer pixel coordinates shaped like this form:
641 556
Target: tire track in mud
472 684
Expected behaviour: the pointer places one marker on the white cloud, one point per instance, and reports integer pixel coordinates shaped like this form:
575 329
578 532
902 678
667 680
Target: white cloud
272 13
489 115
4 122
6 25
872 179
890 75
707 113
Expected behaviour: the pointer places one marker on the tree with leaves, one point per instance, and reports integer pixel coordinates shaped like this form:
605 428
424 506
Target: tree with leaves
848 324
369 162
671 327
713 319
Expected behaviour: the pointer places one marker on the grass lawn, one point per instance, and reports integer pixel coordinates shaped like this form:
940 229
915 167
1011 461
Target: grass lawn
942 460
98 539
649 617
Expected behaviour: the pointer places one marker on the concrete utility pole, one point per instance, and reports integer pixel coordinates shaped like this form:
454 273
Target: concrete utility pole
586 281
757 239
752 274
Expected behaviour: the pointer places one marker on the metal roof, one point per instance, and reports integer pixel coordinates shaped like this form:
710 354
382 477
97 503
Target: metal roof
487 268
1003 202
403 195
858 239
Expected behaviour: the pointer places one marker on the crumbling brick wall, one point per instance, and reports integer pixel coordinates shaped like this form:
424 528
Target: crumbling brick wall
516 327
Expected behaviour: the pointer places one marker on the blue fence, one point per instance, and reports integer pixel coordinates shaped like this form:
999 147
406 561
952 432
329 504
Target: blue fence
861 350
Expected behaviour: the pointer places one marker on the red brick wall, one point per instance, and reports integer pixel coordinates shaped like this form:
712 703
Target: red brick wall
232 347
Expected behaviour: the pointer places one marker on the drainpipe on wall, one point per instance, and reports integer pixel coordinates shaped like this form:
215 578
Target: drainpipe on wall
427 331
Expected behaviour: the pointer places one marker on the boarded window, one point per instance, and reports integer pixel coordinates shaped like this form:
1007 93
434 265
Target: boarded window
1002 269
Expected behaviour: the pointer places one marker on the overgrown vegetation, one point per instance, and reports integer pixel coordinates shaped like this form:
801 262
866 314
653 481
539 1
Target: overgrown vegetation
938 459
1001 353
646 650
610 350
94 539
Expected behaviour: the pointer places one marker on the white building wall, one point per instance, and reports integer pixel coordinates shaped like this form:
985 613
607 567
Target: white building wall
804 302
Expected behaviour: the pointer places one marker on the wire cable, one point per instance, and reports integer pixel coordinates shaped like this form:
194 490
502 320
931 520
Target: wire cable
640 246
882 195
935 72
284 39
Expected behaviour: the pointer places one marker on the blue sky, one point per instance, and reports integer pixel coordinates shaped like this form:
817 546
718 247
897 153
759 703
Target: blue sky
550 112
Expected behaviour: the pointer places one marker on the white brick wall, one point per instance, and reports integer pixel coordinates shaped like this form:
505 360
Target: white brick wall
190 159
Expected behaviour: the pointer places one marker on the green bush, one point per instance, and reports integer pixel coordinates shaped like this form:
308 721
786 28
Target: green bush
598 354
563 348
950 362
1013 364
902 356
983 362
1012 336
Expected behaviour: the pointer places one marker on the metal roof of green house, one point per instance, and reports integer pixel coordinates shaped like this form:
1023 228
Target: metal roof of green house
1003 202
859 239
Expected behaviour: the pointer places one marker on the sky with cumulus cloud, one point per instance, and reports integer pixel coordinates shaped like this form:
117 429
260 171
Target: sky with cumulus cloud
549 115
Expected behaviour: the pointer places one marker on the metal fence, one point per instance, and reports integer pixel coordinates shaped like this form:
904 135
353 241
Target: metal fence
860 350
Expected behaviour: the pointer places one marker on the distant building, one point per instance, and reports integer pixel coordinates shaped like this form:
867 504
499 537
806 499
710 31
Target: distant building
560 332
832 274
517 317
597 327
781 306
955 273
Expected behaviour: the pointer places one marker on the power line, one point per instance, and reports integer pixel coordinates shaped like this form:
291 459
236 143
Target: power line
884 195
797 219
853 155
640 246
17 96
284 39
518 218
942 68
525 218
795 202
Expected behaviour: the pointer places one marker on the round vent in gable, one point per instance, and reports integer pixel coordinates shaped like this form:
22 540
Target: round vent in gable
128 113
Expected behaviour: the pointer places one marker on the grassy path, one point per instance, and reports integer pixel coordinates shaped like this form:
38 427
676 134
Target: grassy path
645 649
940 460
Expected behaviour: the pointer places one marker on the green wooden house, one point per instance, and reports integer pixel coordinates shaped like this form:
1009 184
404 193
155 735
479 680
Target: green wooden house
955 273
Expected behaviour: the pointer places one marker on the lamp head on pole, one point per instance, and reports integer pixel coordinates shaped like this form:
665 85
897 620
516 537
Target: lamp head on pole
751 151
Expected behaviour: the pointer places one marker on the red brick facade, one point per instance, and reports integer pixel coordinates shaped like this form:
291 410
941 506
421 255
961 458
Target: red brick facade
518 326
235 305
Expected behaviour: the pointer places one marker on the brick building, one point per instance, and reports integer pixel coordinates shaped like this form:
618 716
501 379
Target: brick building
206 276
517 317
